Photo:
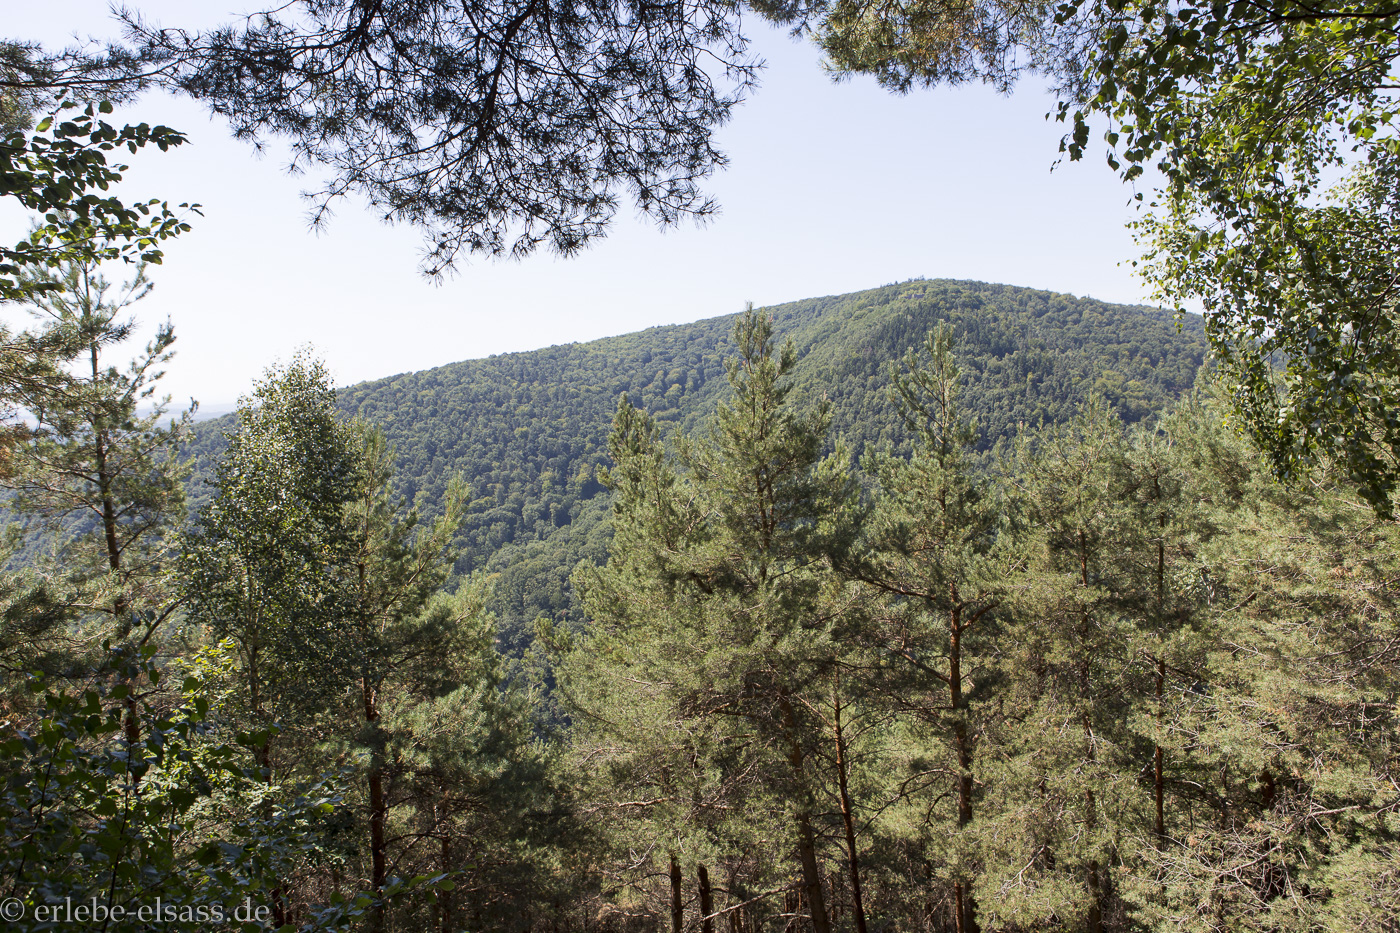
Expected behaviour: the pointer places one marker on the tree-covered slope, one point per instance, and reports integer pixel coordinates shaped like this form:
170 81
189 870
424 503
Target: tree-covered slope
529 430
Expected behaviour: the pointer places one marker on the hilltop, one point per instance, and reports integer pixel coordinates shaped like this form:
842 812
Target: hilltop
529 430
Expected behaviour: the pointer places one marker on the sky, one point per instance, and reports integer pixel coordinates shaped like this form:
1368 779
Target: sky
831 188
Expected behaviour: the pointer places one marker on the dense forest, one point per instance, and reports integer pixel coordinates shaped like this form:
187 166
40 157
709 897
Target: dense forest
943 607
528 431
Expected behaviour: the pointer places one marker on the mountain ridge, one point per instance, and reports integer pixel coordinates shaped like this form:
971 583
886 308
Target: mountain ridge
528 429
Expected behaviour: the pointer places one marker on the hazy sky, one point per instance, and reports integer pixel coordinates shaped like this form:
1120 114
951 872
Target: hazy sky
831 188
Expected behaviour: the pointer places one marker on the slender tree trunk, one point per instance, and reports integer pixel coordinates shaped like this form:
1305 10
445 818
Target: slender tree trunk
104 477
1158 769
677 905
120 603
811 874
1094 920
1158 756
445 897
806 839
378 807
963 900
278 894
1225 796
133 732
736 913
847 817
707 903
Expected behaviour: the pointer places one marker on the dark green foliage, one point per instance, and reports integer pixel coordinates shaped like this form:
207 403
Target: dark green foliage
1106 679
1028 356
932 578
496 126
127 788
715 631
1270 126
92 820
1125 684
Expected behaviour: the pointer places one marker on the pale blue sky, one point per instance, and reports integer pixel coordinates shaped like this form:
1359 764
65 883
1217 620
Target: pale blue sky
831 188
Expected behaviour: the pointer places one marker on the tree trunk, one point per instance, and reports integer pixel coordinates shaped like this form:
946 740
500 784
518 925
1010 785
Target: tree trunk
1158 769
677 905
811 874
963 901
378 807
736 913
104 478
806 840
114 558
1093 921
445 897
1158 763
847 817
707 904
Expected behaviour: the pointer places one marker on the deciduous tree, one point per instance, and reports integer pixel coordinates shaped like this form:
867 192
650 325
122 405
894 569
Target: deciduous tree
1273 128
260 561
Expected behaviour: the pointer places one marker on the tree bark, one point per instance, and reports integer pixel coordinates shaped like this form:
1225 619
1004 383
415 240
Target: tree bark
811 874
965 904
114 556
707 904
1093 921
806 840
677 905
1158 756
736 913
378 807
104 478
445 897
847 817
264 756
1158 764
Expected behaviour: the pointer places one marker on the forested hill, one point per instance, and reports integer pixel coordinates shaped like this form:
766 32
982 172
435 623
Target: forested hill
529 430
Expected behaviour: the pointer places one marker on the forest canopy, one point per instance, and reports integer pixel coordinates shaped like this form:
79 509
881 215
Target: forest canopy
939 607
1269 130
1101 675
528 431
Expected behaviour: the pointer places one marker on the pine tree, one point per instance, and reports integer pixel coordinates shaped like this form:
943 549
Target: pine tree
1174 479
1283 712
104 479
716 599
930 553
397 631
1067 783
